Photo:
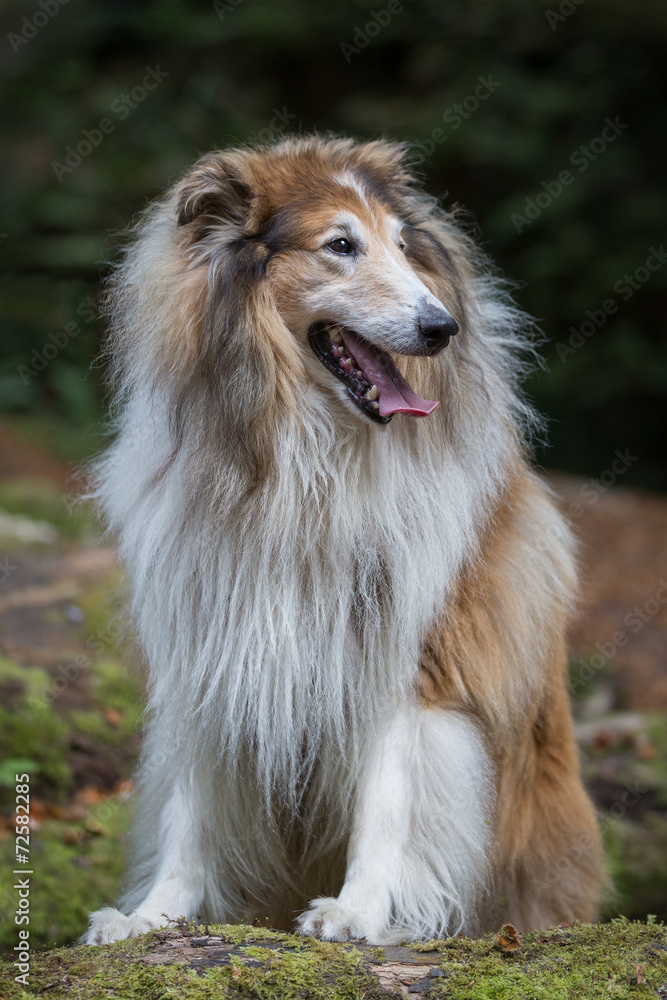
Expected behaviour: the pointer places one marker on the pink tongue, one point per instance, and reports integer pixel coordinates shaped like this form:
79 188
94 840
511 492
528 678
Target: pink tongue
395 395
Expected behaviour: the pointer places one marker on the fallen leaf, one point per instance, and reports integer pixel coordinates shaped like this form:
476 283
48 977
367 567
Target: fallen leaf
640 973
508 938
39 810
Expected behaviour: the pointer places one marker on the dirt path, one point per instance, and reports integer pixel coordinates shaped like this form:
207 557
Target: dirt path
623 609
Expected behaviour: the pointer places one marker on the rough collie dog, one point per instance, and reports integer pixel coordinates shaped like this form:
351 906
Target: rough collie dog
349 588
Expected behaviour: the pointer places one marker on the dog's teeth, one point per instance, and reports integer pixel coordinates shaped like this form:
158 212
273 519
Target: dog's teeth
336 337
336 351
372 393
375 406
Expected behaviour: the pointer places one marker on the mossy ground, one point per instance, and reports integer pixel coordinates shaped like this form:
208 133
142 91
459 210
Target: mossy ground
616 960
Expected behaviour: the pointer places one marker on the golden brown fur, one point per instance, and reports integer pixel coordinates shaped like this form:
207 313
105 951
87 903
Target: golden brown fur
485 659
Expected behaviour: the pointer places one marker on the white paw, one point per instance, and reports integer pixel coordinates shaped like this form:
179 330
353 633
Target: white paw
107 925
330 920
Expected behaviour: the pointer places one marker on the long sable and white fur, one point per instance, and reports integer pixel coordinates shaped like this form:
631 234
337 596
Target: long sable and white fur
283 637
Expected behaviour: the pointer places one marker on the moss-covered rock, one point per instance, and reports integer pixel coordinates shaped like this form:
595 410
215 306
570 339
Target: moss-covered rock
622 959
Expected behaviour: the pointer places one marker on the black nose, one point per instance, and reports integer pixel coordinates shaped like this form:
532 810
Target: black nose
436 326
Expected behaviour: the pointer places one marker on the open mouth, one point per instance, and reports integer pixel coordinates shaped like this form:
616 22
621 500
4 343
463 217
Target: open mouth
372 380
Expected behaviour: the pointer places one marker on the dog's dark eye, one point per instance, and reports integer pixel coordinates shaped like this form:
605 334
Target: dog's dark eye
341 246
401 246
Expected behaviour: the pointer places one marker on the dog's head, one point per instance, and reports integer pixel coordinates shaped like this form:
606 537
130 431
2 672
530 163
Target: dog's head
314 264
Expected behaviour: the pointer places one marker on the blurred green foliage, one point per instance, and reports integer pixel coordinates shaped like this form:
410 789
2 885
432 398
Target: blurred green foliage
31 732
559 69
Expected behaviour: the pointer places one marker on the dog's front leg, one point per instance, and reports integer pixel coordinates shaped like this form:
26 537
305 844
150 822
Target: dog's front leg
177 886
418 857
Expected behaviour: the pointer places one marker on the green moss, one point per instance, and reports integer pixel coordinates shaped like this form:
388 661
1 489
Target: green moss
242 933
36 736
310 970
591 961
316 970
30 729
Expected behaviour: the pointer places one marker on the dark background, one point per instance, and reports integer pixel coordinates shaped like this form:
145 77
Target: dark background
559 69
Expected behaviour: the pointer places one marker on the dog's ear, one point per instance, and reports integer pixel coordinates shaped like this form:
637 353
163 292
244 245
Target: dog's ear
214 191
